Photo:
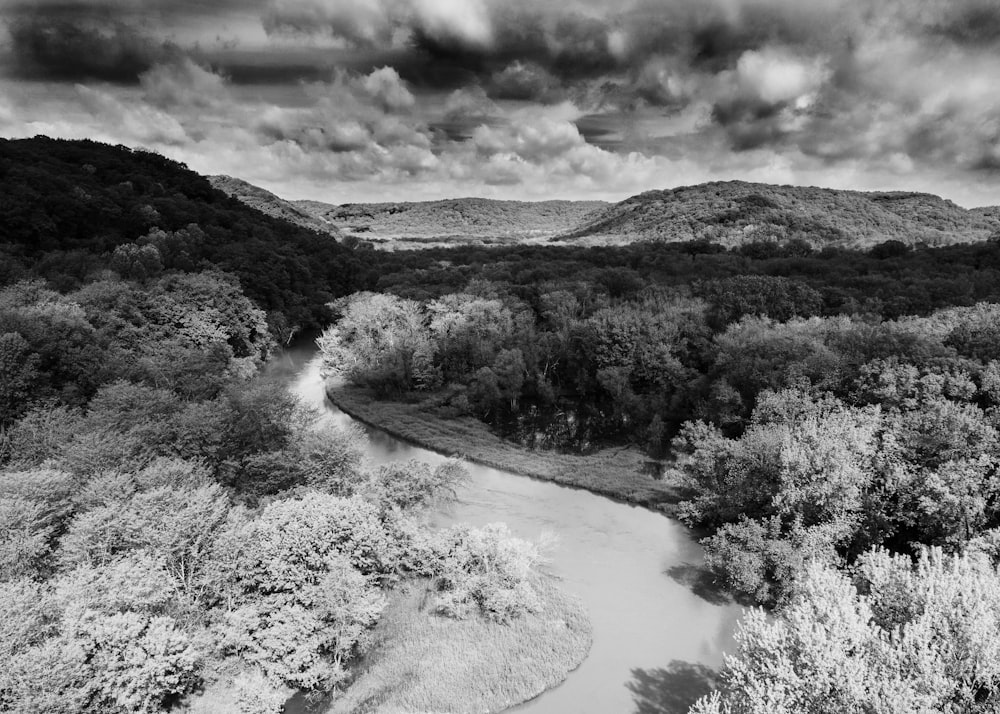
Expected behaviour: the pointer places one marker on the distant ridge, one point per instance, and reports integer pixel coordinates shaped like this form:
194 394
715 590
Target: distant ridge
737 212
455 218
726 212
266 202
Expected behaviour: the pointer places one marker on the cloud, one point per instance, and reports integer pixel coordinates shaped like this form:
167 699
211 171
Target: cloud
385 87
72 50
370 23
531 138
183 82
768 96
776 77
526 81
364 23
463 21
470 103
405 98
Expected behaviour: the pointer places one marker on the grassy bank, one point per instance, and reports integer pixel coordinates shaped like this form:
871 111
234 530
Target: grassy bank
422 662
620 473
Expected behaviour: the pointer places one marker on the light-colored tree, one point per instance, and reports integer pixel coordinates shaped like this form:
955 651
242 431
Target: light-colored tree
374 341
25 533
906 637
413 484
296 604
487 571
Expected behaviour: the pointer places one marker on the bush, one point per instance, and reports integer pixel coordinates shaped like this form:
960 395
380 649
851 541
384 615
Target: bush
486 570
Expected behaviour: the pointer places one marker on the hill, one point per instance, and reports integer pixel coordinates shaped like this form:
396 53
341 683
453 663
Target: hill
455 220
70 209
266 202
736 212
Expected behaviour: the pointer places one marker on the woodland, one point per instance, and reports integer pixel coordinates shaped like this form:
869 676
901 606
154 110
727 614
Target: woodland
173 521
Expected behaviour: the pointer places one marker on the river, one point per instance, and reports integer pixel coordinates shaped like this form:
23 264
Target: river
656 636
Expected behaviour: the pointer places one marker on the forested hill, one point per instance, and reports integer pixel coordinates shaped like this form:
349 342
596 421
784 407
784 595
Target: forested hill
459 218
736 213
266 202
72 209
730 213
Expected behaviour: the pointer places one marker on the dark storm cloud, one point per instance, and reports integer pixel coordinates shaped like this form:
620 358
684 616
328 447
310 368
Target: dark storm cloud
600 130
270 72
134 8
989 162
976 23
79 49
109 40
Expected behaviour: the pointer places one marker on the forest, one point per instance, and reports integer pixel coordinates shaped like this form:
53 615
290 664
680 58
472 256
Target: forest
174 523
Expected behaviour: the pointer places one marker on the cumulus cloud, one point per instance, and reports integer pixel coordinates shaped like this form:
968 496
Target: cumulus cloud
470 103
385 86
776 77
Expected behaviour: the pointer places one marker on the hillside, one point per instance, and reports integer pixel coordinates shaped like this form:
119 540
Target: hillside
450 221
726 212
72 208
266 202
735 212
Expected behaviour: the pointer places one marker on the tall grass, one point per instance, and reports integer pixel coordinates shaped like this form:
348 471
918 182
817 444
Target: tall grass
620 473
421 662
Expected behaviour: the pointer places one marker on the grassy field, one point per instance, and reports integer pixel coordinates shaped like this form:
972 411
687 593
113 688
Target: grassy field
620 473
422 662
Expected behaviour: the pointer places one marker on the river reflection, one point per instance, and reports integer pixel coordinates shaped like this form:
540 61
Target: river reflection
657 633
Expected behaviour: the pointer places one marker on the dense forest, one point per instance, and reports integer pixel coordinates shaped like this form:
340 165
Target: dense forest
173 522
72 207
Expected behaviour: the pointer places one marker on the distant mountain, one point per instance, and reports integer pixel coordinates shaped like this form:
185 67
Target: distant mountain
736 212
725 212
455 220
266 202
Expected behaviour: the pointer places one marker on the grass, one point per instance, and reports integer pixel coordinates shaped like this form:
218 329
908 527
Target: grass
619 473
421 662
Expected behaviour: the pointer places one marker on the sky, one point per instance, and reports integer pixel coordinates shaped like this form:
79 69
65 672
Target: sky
394 100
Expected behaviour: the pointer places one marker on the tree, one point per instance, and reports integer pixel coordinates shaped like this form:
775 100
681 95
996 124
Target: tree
135 262
26 535
905 637
798 457
414 484
510 371
296 587
468 332
486 571
20 378
374 341
798 483
771 296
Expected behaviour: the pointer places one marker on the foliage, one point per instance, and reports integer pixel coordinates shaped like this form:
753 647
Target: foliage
904 637
73 207
486 571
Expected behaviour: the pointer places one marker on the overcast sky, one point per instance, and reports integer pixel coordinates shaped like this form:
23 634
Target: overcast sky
368 100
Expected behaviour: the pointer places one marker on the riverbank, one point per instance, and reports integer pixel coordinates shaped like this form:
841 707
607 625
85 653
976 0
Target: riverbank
624 474
421 662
